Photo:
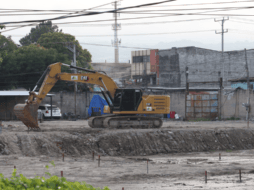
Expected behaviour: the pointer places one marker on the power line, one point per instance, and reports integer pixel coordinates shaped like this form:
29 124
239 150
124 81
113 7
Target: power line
142 34
241 22
88 14
180 5
137 23
135 12
35 14
65 15
196 9
173 14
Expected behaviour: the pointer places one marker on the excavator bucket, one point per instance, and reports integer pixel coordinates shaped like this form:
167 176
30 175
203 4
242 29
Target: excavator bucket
27 113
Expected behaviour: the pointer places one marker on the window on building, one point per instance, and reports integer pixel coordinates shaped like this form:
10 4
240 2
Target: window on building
141 59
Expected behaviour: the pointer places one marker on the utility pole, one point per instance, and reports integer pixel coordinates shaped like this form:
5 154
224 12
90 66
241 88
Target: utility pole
222 41
248 87
73 50
116 27
187 89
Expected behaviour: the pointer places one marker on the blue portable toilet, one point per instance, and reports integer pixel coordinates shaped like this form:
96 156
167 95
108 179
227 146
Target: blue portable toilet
97 102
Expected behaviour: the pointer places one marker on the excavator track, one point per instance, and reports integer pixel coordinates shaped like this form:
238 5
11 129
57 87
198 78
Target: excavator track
136 122
97 122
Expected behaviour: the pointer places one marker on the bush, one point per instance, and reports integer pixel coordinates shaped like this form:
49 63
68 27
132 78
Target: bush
41 183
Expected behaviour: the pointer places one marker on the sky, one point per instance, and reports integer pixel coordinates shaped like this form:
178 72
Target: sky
163 29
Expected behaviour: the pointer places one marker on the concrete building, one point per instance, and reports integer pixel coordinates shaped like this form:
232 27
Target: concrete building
144 66
168 66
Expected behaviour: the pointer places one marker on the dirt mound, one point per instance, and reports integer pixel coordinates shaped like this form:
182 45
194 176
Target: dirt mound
124 143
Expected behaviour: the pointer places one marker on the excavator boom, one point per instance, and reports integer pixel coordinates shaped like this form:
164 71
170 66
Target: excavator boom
27 112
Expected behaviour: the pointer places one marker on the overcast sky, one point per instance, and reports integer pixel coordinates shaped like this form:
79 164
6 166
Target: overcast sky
200 33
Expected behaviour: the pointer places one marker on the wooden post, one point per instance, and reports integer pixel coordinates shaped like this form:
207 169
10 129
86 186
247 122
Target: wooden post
240 175
147 166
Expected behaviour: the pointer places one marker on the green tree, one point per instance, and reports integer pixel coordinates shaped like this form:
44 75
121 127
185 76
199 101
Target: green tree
60 41
24 66
35 33
6 46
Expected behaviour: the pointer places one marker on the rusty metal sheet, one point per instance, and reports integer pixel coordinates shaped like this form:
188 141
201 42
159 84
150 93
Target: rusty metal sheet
198 103
197 97
205 103
190 109
190 115
206 97
198 115
198 109
214 103
214 115
214 110
214 96
206 115
189 97
207 109
202 106
190 104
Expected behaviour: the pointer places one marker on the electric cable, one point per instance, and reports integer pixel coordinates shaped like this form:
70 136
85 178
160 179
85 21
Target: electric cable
126 24
87 14
141 34
138 12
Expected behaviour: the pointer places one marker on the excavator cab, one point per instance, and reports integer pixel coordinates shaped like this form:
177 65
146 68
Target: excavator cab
127 99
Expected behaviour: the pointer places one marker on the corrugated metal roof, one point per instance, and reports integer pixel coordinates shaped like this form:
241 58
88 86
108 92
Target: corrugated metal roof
18 93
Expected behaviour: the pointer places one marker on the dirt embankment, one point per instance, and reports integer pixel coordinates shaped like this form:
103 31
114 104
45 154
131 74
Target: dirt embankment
79 142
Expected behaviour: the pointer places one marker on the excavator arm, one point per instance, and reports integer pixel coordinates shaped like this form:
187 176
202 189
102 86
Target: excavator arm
27 112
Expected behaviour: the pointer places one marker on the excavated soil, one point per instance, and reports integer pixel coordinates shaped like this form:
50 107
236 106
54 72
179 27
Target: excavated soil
178 154
81 140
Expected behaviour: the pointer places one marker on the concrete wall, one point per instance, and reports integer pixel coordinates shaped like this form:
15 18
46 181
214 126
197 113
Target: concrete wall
203 65
169 68
7 104
232 104
66 103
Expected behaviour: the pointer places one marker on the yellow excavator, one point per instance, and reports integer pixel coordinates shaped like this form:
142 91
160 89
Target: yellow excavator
126 107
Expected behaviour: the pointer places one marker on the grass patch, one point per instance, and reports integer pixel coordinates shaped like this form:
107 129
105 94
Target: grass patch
233 118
